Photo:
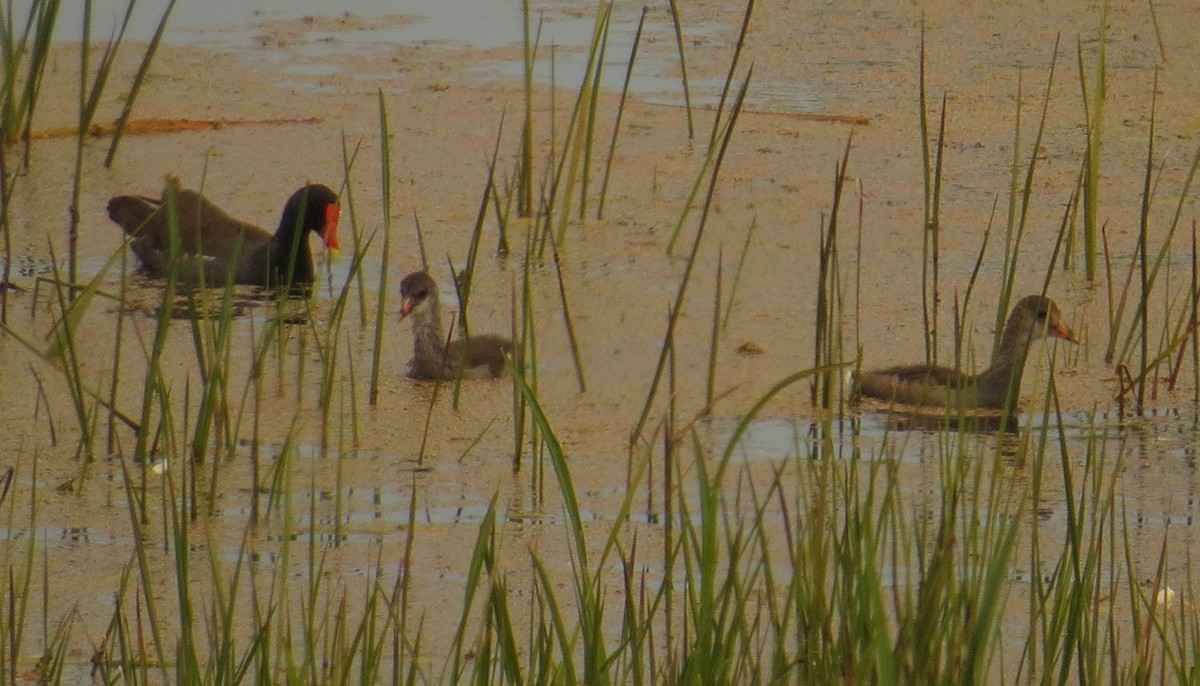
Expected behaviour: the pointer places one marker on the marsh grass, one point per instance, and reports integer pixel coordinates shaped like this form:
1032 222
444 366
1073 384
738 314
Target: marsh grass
1194 324
931 164
138 79
25 54
712 161
1020 197
612 145
720 121
524 369
1149 270
822 564
827 341
710 388
525 159
1093 110
572 338
737 273
385 172
21 90
677 23
574 164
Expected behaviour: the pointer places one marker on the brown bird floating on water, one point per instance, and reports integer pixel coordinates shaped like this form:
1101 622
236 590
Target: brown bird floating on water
1035 317
213 245
477 357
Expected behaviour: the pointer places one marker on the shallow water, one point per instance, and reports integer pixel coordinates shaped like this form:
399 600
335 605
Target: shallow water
235 24
356 469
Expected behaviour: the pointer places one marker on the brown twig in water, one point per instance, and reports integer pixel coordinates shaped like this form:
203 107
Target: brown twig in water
164 126
802 116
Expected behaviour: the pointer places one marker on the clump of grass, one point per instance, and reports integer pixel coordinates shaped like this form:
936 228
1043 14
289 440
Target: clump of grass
822 564
20 92
827 343
34 39
1149 270
573 166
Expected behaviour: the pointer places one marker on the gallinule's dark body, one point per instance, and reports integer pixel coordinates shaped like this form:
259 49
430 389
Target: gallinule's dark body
212 244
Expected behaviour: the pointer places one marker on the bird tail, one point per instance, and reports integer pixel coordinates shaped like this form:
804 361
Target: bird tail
131 212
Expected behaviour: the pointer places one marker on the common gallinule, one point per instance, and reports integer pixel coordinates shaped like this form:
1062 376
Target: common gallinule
1033 318
478 357
213 244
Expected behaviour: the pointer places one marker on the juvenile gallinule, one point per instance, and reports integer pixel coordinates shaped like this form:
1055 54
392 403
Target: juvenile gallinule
213 244
1033 318
478 357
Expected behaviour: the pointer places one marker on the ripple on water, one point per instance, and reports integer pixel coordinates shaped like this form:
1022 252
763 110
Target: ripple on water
302 35
56 538
910 436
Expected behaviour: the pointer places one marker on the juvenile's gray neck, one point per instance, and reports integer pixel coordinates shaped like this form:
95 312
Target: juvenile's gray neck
1000 383
428 343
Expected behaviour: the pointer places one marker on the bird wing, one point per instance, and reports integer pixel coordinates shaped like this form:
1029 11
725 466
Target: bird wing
481 356
920 384
926 374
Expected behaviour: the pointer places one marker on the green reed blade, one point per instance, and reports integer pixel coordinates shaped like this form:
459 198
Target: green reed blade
687 95
385 161
138 79
1019 201
567 320
589 127
612 144
636 434
737 273
729 78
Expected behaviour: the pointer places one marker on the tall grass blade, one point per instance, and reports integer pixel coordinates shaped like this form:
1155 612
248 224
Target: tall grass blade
385 170
737 273
138 79
1019 201
687 94
730 75
525 169
570 324
1093 108
710 388
827 339
612 145
731 71
636 434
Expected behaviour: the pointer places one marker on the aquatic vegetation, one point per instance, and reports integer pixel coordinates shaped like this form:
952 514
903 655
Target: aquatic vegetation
631 504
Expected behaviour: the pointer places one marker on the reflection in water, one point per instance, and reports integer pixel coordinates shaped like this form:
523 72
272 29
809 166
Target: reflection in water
775 438
59 538
262 304
976 422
